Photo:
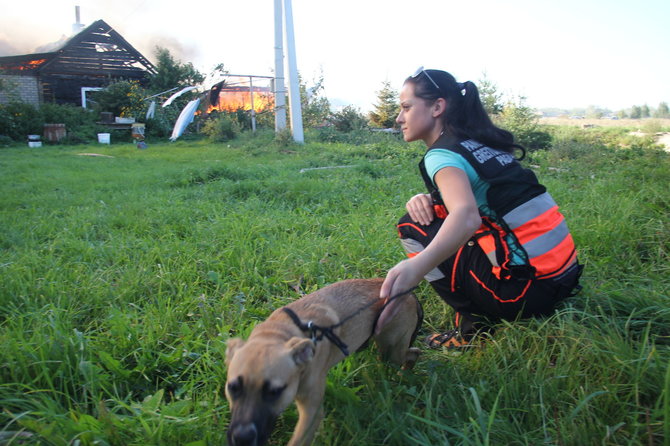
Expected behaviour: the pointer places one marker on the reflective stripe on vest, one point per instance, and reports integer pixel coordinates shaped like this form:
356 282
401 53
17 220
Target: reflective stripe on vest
542 232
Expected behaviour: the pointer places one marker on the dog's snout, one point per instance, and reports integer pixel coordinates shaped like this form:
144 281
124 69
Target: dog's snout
244 435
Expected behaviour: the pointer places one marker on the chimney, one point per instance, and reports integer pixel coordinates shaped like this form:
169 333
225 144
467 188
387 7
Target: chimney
76 27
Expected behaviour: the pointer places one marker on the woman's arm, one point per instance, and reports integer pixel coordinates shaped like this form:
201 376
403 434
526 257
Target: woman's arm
461 223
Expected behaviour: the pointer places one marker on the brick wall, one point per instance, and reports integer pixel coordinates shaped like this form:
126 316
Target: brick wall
19 88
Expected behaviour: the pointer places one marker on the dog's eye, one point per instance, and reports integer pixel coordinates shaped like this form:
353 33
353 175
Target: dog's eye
235 388
272 393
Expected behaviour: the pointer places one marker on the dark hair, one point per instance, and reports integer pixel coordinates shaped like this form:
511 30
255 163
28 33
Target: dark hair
465 116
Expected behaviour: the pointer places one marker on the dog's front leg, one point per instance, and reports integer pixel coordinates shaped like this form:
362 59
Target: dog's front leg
310 413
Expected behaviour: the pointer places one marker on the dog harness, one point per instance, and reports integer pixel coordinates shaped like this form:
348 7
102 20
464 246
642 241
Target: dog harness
317 332
524 223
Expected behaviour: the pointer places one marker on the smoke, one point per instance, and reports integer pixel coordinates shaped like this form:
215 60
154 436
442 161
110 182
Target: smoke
15 46
53 46
17 37
7 49
180 51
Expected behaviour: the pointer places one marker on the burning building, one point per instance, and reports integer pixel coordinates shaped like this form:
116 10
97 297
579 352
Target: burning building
87 61
239 93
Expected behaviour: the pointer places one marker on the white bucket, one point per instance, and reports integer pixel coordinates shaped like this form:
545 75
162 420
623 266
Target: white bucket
103 138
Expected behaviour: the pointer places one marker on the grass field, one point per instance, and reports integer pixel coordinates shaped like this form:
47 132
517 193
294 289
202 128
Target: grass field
123 276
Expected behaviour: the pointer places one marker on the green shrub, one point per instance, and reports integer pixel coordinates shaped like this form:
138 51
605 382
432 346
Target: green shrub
522 121
221 128
330 134
5 141
348 119
123 98
162 122
70 115
18 120
80 123
284 138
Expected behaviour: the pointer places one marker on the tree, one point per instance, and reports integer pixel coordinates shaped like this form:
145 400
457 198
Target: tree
593 112
644 111
171 73
489 95
315 107
662 111
386 108
635 112
522 121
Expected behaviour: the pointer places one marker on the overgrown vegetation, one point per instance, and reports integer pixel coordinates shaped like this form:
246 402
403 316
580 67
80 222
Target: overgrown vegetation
123 277
222 127
523 122
18 120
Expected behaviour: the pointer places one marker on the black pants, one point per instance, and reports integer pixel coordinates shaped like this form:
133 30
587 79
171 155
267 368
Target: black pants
466 282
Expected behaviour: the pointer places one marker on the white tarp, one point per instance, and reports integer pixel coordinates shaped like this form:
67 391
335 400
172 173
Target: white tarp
185 118
177 94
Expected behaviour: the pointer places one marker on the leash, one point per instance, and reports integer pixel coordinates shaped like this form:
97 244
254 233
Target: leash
317 333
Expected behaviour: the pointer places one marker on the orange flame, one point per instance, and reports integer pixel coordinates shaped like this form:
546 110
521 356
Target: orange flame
30 65
239 98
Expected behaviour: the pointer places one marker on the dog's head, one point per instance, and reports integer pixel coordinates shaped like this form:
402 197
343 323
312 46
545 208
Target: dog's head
263 378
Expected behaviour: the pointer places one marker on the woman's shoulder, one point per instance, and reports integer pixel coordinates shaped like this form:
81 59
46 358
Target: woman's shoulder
437 155
437 159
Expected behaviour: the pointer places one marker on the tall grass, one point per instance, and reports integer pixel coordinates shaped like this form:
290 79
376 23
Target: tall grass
122 278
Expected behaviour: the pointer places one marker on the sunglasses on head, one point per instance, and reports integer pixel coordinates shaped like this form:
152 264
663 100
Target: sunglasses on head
421 70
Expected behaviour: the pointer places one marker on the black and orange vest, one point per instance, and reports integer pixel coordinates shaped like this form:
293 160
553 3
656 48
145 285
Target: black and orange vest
526 220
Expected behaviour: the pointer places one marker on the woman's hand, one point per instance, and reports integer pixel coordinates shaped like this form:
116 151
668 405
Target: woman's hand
402 277
420 208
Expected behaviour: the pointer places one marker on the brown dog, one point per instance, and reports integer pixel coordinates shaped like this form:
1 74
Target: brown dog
283 360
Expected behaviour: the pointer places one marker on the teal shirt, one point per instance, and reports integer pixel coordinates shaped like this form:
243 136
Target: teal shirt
438 159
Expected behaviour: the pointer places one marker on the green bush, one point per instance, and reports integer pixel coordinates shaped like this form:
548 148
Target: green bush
5 141
348 119
161 124
522 121
18 120
123 98
70 115
284 138
221 128
80 123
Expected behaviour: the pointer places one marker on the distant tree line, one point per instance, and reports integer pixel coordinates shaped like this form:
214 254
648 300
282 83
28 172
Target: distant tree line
638 112
593 112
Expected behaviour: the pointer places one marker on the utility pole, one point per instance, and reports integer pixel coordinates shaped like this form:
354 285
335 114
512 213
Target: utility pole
279 90
293 84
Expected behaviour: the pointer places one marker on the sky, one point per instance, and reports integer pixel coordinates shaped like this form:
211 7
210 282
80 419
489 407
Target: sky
556 53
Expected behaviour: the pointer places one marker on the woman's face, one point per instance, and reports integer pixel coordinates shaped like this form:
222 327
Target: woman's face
416 117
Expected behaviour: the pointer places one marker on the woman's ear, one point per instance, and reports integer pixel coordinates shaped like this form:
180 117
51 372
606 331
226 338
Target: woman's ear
439 107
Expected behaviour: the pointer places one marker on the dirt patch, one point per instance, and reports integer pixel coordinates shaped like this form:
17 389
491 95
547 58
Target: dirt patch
664 140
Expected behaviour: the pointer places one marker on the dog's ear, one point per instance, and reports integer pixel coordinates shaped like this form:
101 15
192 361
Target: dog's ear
302 350
231 346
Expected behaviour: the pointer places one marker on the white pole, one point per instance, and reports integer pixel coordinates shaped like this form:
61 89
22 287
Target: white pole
253 111
293 87
280 92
